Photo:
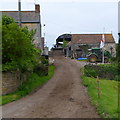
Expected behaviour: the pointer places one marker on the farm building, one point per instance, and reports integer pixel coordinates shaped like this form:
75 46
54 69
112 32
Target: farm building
78 44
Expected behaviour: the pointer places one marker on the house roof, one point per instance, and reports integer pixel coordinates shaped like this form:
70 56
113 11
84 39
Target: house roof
26 16
91 38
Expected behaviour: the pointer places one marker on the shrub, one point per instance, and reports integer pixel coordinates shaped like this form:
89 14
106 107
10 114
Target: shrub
89 71
44 61
18 52
42 67
113 59
41 70
117 77
109 71
64 43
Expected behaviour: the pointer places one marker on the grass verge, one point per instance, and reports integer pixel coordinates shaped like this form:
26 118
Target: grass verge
33 82
107 104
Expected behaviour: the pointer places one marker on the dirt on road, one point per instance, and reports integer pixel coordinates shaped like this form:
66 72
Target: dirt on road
63 96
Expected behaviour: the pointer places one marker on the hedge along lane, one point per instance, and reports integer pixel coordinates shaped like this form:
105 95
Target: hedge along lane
107 71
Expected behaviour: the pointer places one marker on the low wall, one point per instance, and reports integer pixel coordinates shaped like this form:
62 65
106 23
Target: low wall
11 81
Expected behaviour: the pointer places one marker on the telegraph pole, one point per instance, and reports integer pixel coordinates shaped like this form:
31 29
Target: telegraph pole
19 12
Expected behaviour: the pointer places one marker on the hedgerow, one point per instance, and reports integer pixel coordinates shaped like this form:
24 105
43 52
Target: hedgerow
107 71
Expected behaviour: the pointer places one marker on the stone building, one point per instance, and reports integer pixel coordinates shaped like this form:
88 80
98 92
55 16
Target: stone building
78 44
31 19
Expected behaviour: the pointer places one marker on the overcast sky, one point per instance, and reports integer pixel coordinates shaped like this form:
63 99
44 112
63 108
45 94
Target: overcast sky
72 16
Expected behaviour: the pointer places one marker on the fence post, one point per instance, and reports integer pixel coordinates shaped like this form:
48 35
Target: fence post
98 86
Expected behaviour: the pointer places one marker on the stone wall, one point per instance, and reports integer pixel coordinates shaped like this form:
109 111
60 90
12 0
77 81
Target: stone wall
111 47
37 36
11 81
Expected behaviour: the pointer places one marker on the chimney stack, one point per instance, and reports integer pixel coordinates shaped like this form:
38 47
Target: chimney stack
37 8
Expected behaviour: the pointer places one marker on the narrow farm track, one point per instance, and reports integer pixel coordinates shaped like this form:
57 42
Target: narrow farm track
61 97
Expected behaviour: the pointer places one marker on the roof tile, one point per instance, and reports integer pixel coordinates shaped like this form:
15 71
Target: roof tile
26 16
91 38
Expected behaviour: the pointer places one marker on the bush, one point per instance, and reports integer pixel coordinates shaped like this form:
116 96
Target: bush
44 60
117 77
90 72
113 59
42 67
41 70
109 71
18 52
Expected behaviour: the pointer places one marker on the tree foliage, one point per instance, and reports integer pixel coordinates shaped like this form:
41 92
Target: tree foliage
118 52
0 41
18 52
7 20
64 43
118 56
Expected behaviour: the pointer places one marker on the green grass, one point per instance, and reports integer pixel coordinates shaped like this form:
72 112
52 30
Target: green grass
33 82
109 65
107 104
